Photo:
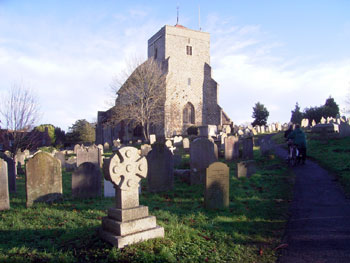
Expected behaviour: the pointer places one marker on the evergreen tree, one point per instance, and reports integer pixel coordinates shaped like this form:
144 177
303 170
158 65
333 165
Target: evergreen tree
51 131
81 132
297 115
260 114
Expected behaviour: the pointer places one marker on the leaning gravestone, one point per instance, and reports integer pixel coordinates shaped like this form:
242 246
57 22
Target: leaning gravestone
247 150
231 148
86 181
245 168
202 154
11 172
217 186
4 189
129 222
43 179
62 157
90 154
160 175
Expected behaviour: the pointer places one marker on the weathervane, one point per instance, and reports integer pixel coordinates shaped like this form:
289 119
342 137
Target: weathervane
177 18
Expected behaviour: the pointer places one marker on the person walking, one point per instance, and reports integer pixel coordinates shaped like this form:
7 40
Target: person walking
299 139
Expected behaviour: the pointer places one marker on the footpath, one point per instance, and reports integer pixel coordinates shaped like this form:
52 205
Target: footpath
319 226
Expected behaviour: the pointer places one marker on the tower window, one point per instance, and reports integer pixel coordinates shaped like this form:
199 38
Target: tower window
189 81
155 53
189 50
188 114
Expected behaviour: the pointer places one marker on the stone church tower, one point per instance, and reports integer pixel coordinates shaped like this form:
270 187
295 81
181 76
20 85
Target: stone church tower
191 93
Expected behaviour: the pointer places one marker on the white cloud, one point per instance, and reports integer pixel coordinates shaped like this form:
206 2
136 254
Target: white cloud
248 69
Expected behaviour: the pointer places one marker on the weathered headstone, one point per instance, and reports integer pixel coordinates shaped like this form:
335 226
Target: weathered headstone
90 154
152 138
145 149
4 188
202 154
86 181
43 179
129 222
231 148
160 176
62 157
217 186
246 168
11 172
247 150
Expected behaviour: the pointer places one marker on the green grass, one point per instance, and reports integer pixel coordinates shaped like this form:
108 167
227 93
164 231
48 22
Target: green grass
334 155
248 231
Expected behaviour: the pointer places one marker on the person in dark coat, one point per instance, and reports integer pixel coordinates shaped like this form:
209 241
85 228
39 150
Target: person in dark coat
299 139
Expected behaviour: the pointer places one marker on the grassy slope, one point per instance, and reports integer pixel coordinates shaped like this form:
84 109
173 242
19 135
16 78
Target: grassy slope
246 232
334 155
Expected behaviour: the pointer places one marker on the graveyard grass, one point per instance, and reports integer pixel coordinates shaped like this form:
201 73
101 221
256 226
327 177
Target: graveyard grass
334 155
250 230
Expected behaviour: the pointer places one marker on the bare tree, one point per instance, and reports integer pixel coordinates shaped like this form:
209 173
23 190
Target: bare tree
19 110
140 100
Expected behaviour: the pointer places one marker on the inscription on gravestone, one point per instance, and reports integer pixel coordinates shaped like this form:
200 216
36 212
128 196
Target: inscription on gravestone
217 186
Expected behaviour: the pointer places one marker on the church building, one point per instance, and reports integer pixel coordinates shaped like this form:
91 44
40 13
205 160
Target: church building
191 92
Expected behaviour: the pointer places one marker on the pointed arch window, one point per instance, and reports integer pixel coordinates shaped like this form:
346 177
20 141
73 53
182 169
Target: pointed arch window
188 114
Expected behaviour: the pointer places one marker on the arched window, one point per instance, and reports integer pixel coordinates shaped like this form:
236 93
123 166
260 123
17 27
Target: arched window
188 114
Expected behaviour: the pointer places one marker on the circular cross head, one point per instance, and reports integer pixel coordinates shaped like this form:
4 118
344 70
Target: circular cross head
127 167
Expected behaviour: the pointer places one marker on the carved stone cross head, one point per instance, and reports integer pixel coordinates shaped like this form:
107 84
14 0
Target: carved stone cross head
126 168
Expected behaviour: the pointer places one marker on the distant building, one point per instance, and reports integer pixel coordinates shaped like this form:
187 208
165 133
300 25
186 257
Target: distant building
191 92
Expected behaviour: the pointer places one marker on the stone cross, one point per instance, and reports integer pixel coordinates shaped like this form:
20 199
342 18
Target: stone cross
128 222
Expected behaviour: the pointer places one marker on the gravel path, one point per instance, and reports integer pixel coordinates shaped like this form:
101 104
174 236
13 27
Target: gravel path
319 227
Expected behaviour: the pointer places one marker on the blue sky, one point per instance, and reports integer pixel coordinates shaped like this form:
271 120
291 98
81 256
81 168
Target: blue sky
275 52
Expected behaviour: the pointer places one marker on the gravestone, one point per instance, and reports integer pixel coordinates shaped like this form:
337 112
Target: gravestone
231 148
247 150
90 154
11 172
202 154
71 164
313 123
186 144
108 189
76 147
323 120
100 146
43 179
265 146
106 147
245 168
160 175
145 149
217 189
20 157
152 138
178 141
168 143
62 157
128 222
262 129
86 181
4 188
